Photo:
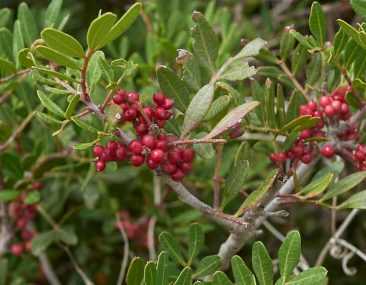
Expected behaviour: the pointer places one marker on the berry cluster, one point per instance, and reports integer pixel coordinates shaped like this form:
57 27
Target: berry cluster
22 215
151 146
331 110
359 155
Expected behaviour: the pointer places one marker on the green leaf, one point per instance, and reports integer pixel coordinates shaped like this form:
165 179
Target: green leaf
344 185
317 23
301 123
242 273
205 42
32 197
49 120
84 125
356 201
195 242
150 273
315 275
303 40
72 106
287 43
185 277
3 264
22 58
67 235
262 264
170 244
43 240
232 118
236 70
95 72
53 73
6 67
99 29
8 195
207 266
252 48
162 269
52 13
257 195
57 57
269 101
289 254
317 186
198 108
220 278
218 106
28 24
62 42
123 23
135 273
5 15
18 41
235 181
83 146
49 104
359 6
350 31
173 87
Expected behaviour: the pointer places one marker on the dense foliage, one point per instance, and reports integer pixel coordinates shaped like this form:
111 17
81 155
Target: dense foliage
177 142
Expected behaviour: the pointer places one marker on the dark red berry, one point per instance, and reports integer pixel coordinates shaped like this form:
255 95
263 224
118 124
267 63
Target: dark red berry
175 156
21 223
161 113
98 150
149 112
168 104
100 165
152 164
119 98
121 153
188 155
129 115
306 158
159 98
26 235
178 175
186 167
169 168
137 160
141 129
37 185
327 151
135 147
148 141
162 144
157 155
112 145
133 97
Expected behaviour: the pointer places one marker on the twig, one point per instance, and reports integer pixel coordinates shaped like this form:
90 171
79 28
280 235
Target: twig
126 251
337 235
199 141
217 179
48 270
12 76
84 87
16 133
293 79
5 97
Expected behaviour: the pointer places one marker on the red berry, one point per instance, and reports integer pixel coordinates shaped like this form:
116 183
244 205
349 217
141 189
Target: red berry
168 104
169 168
329 111
162 144
149 112
100 165
17 249
112 145
130 114
306 158
157 155
188 155
148 141
186 167
26 235
298 150
119 98
21 223
36 185
135 147
312 106
152 164
141 129
159 98
137 160
178 175
360 156
161 123
121 152
175 156
327 151
98 150
336 106
133 97
304 110
124 106
325 101
344 108
161 114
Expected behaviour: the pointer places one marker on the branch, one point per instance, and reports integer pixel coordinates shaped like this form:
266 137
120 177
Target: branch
20 73
126 251
48 271
217 179
235 242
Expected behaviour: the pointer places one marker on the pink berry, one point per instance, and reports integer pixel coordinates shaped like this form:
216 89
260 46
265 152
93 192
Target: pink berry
336 106
157 155
305 134
325 101
98 150
312 106
133 97
344 108
100 165
22 223
329 111
17 249
304 110
168 104
137 160
148 141
135 147
327 151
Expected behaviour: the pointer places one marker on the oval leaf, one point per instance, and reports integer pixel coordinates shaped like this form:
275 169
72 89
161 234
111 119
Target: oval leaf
57 57
99 29
262 264
289 254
